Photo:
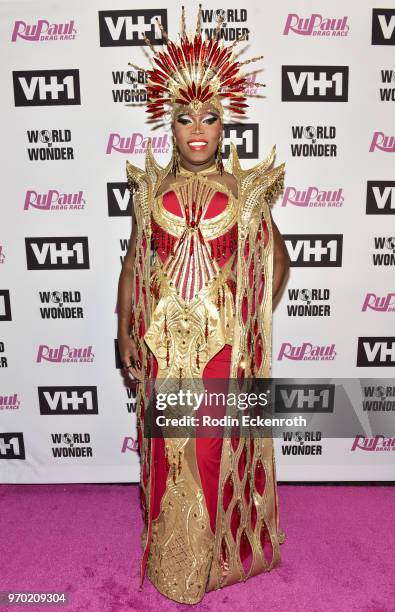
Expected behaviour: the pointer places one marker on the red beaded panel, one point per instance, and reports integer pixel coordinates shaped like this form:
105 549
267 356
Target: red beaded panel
219 249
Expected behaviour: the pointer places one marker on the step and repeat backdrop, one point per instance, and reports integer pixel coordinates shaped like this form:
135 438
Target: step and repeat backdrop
67 131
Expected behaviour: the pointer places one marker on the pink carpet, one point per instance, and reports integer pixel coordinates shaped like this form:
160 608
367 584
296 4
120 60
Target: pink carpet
84 539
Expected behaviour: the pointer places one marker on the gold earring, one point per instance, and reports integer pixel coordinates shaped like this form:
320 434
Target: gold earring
175 158
218 157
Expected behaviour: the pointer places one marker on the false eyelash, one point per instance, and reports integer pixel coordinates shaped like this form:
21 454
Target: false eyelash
183 121
211 120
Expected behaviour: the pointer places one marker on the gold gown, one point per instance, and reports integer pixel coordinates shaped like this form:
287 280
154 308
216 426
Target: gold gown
182 317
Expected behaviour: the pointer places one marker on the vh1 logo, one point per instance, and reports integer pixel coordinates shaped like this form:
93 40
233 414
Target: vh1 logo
46 87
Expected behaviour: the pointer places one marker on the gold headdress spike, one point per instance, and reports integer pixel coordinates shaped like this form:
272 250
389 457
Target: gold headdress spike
149 43
238 39
220 20
195 70
163 31
183 25
198 21
137 67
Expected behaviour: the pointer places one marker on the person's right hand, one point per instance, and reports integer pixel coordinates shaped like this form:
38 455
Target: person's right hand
129 357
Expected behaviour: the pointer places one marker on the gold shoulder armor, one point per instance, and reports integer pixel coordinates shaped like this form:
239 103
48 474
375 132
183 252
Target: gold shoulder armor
143 184
262 181
135 177
148 178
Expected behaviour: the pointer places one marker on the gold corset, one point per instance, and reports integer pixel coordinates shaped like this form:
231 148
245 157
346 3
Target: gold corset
192 306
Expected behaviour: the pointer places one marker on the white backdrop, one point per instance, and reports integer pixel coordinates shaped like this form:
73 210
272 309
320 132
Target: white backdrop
329 69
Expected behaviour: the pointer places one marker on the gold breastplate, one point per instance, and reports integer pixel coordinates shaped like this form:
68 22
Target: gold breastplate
192 304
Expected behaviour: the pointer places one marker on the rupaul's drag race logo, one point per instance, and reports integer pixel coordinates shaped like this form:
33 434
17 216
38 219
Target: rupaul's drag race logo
381 142
64 354
307 352
313 197
129 445
42 30
9 402
376 443
53 199
137 143
252 89
385 303
316 25
49 145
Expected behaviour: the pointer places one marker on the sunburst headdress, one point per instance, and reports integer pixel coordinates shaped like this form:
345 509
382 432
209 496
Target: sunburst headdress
196 70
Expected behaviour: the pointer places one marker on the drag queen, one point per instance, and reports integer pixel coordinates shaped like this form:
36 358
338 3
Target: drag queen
204 264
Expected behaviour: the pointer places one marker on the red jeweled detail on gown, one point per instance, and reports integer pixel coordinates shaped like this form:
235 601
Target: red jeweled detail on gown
189 260
220 248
